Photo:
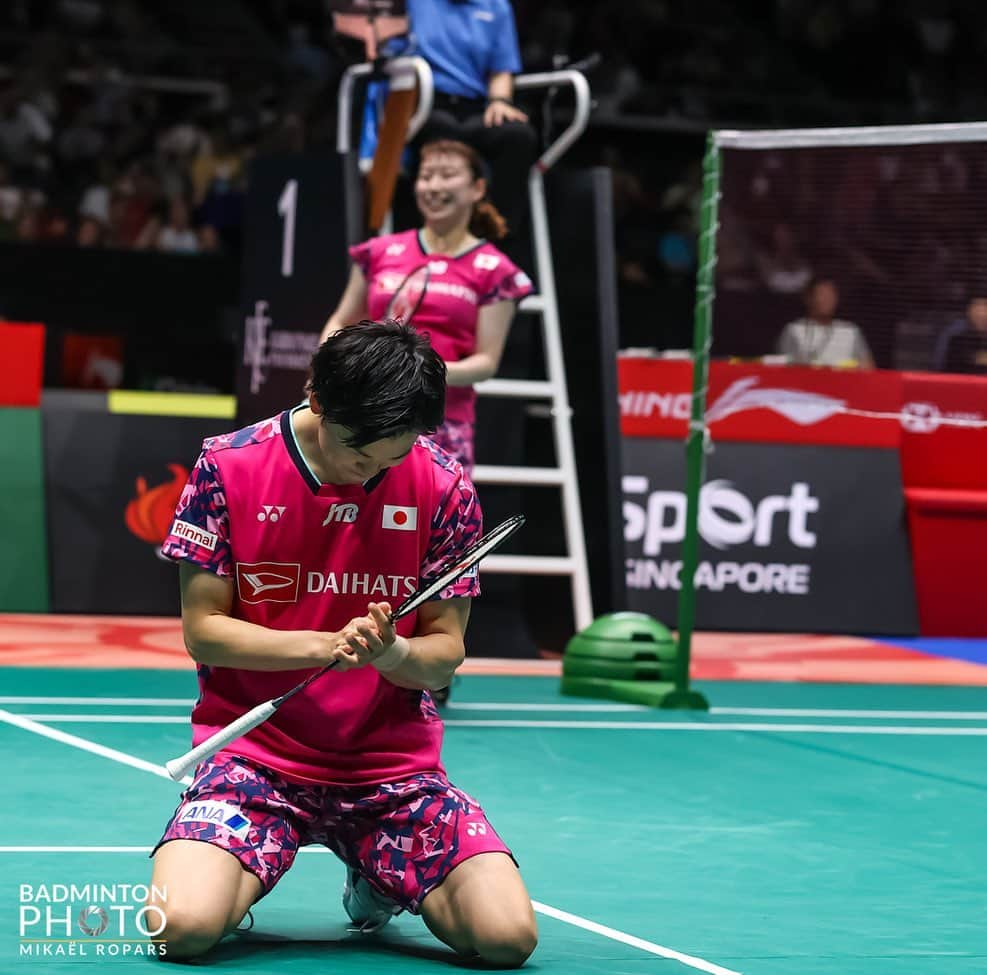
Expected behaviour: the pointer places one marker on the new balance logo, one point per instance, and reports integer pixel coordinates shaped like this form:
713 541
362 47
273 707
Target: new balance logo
270 512
344 512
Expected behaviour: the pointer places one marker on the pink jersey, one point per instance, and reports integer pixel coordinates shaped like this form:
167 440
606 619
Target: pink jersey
457 289
309 556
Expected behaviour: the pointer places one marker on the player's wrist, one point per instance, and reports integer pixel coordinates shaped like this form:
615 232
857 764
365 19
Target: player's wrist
393 656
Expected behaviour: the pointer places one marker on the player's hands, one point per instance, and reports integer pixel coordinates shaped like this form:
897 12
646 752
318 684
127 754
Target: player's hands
497 113
356 644
364 638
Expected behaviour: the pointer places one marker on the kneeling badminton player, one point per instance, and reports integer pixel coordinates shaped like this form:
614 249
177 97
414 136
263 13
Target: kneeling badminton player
299 540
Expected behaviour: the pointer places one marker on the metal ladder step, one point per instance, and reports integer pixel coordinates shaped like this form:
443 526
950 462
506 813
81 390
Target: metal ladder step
520 388
533 305
491 474
532 565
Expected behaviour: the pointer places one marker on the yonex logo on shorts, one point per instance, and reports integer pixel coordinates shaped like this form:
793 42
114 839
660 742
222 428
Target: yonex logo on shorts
217 813
194 534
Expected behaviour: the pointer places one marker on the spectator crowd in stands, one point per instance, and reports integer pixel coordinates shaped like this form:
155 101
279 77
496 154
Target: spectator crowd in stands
126 123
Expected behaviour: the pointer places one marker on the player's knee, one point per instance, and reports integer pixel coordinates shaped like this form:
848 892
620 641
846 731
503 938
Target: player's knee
187 935
507 945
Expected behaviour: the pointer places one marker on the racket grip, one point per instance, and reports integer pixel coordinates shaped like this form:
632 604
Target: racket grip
179 767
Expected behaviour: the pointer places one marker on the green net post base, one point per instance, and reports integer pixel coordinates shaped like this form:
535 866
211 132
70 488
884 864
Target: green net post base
652 694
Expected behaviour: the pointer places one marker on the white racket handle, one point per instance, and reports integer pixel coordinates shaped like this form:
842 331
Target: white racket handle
179 767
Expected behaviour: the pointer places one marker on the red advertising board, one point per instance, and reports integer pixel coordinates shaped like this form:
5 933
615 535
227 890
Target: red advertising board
762 404
22 349
944 442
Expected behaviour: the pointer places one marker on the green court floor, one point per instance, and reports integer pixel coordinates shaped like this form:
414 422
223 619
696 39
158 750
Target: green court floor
796 830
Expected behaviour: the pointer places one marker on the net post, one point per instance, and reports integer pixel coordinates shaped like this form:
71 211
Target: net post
696 440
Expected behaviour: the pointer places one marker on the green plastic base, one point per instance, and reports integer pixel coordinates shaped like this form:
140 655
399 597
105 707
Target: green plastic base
606 668
652 694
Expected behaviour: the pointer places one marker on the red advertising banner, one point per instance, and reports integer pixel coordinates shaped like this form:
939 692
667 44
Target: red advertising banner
22 349
936 450
761 404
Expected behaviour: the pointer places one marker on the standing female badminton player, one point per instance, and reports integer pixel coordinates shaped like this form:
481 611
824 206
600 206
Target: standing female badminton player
472 291
296 537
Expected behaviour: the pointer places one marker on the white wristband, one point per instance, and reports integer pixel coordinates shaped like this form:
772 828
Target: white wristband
393 656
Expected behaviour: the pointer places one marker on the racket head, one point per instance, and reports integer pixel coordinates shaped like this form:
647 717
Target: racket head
454 569
408 298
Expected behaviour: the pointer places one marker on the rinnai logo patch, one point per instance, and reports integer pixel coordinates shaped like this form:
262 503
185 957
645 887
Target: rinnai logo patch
194 534
400 518
268 582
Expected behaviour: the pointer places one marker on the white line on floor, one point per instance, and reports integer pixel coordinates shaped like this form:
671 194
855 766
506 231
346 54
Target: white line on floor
695 725
574 919
128 702
28 724
845 713
628 939
575 708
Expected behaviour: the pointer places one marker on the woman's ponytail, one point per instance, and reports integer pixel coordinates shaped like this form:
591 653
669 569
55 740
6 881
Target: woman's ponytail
487 221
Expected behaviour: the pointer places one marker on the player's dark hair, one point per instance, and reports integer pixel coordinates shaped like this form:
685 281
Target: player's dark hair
379 380
486 221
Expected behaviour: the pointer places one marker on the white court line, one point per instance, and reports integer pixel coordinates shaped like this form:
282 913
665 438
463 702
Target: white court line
552 707
685 725
27 724
112 718
494 706
111 753
129 702
111 849
629 939
845 713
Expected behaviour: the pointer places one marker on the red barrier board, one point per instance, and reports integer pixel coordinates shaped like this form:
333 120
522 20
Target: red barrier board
934 452
761 404
22 349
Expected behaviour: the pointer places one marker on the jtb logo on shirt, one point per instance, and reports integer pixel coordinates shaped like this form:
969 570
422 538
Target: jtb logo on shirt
399 517
268 582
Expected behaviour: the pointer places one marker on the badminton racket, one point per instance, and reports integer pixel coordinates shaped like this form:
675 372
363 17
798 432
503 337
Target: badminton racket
408 298
179 767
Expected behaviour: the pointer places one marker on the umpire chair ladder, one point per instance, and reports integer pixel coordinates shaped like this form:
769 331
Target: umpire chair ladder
553 390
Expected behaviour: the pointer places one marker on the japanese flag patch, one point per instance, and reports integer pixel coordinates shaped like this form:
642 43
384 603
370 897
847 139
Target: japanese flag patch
400 518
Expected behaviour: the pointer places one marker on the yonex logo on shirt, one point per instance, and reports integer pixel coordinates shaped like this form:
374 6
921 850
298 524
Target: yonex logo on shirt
486 262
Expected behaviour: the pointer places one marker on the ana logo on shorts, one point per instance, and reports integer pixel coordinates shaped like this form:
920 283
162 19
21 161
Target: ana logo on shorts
268 582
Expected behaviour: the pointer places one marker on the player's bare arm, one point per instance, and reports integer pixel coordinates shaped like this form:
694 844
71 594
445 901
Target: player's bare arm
352 306
492 327
213 637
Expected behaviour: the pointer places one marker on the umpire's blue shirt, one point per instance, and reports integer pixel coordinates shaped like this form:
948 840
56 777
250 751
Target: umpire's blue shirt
465 41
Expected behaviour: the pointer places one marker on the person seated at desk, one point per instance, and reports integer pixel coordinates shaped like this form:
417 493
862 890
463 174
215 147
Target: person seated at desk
964 349
819 338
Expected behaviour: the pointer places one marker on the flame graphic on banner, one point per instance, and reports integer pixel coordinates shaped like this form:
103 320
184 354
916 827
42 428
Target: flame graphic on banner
150 514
